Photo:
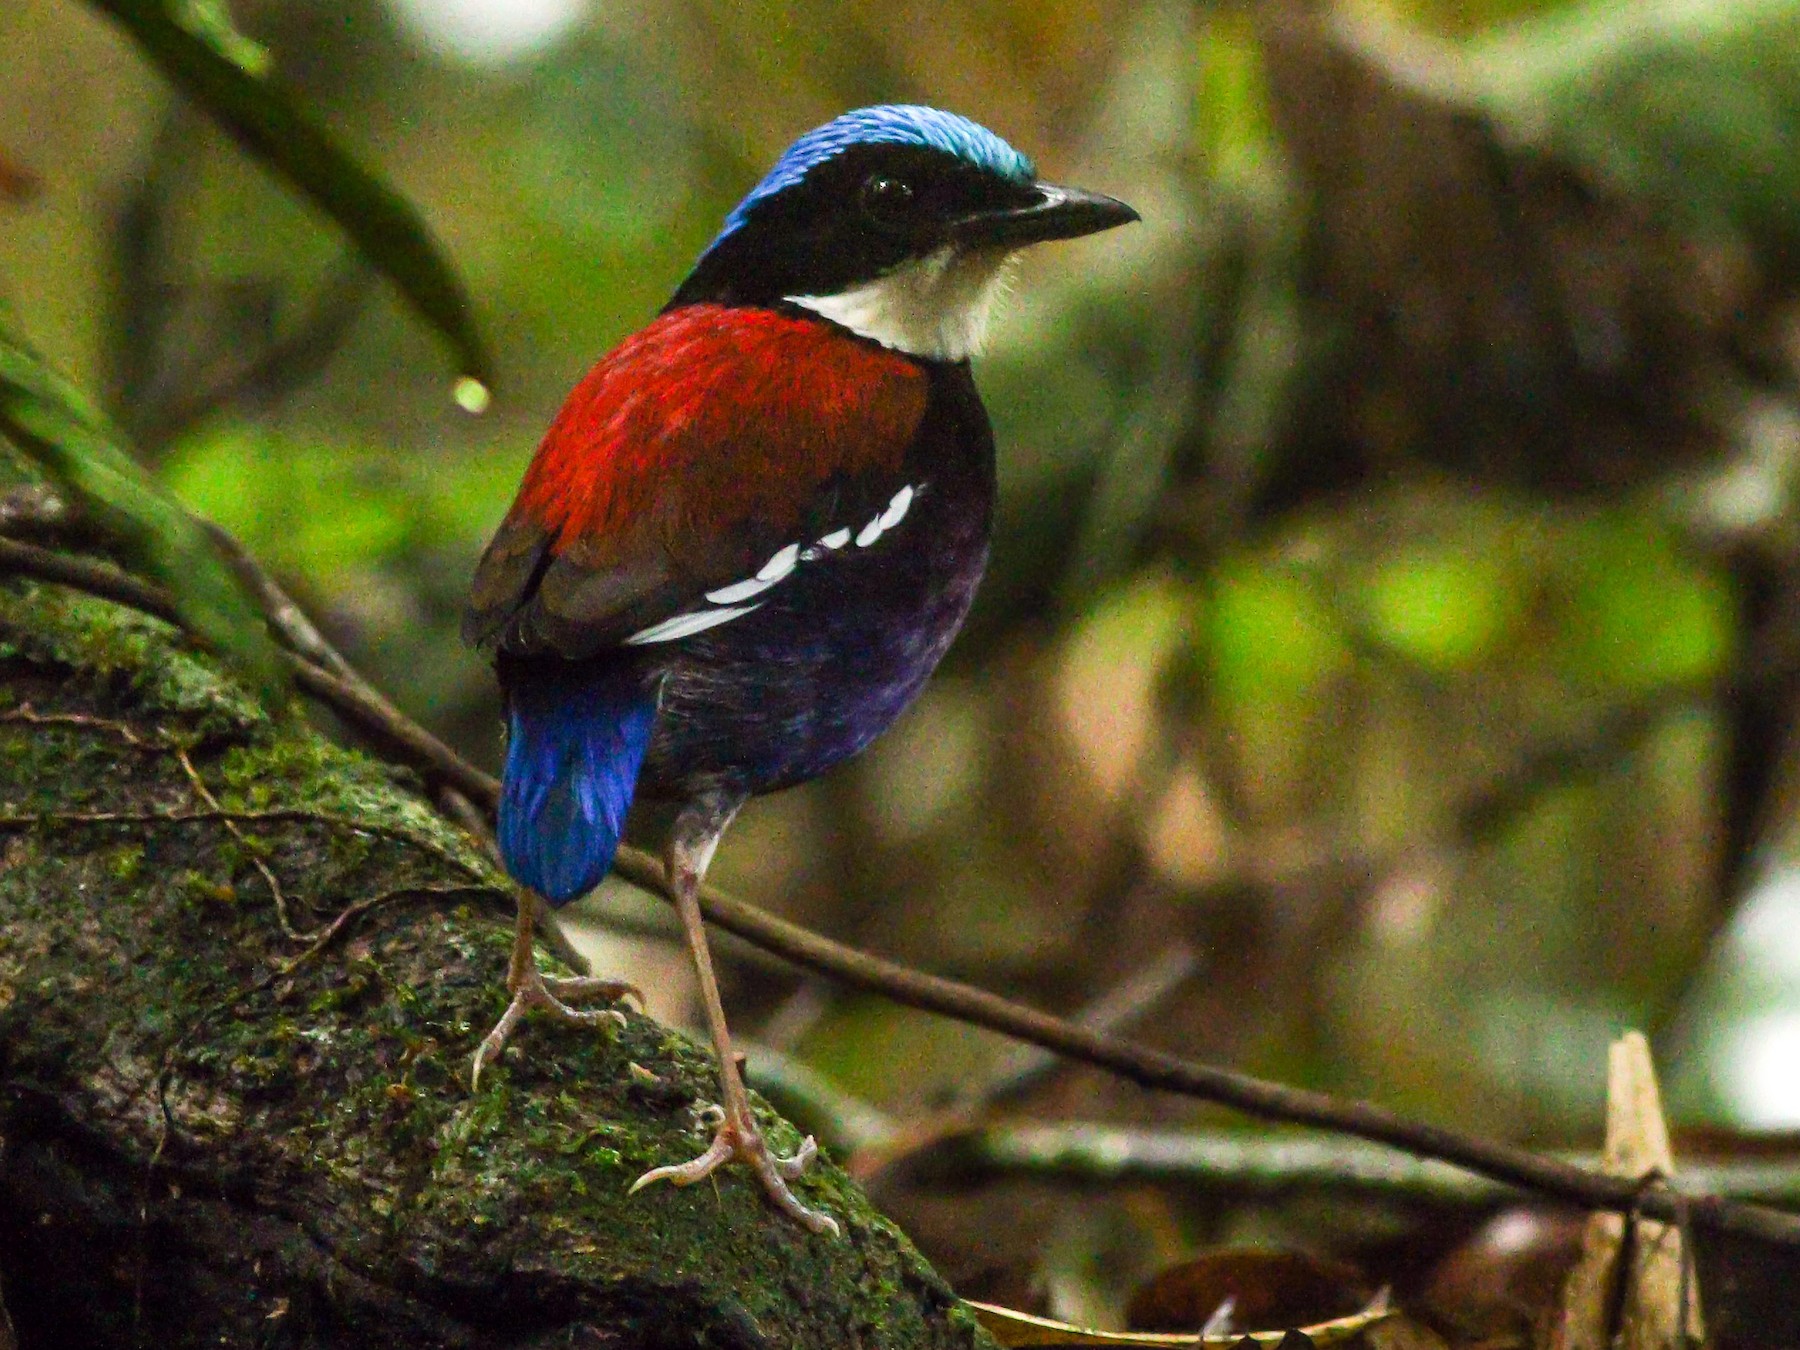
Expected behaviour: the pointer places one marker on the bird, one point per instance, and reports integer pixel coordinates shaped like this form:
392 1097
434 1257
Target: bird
752 531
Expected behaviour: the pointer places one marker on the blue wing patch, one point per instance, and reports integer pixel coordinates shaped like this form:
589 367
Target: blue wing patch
574 749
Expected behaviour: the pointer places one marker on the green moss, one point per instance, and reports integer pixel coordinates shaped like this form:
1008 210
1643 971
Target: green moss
127 863
345 1077
52 626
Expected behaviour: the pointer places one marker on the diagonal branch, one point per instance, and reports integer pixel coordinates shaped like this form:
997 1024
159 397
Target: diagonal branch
317 668
1149 1068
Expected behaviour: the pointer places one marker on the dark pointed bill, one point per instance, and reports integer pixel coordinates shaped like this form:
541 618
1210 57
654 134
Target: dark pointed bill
1058 213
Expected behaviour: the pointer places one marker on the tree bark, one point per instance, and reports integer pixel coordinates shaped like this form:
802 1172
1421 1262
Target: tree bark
242 972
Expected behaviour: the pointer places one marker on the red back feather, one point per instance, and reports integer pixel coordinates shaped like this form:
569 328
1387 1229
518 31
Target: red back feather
711 416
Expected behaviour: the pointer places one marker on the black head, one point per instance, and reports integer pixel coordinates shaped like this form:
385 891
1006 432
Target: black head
892 220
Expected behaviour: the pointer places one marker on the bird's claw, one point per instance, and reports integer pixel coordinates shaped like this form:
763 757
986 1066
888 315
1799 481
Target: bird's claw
743 1141
547 992
571 988
717 1154
793 1168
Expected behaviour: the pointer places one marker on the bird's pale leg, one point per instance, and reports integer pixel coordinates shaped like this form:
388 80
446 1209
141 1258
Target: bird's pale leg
531 988
737 1135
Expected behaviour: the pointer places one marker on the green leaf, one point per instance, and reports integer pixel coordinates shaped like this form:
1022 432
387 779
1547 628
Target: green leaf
334 511
48 420
1640 614
1443 606
313 508
210 21
194 45
1271 636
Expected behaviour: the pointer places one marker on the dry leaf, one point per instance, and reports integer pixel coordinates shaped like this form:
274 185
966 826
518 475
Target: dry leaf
1264 1288
1502 1280
1012 1328
1402 1333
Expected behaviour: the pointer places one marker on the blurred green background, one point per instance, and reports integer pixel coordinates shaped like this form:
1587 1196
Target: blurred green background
1393 599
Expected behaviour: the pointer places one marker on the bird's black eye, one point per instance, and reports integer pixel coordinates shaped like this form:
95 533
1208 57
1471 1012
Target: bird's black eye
886 199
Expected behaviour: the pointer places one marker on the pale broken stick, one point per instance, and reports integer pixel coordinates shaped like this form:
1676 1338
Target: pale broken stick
1648 1255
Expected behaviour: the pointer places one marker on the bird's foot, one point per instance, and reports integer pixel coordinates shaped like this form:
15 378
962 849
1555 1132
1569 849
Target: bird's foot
552 994
741 1140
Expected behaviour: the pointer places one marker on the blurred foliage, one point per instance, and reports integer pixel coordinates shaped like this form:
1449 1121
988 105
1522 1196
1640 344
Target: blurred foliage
1692 106
194 43
1395 528
47 418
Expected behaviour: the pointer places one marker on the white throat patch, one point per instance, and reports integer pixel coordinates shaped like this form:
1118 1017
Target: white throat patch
936 306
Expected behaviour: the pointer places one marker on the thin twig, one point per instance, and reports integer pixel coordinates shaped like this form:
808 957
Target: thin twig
90 575
1146 1067
267 873
351 697
85 722
30 715
474 821
280 970
1219 1162
324 937
1094 1151
407 741
1119 1007
324 673
1024 1069
876 1153
1255 1096
285 616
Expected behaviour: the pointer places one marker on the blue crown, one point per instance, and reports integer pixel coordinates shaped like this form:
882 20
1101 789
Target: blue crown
892 124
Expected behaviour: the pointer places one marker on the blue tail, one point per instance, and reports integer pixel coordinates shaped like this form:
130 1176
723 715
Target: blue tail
574 748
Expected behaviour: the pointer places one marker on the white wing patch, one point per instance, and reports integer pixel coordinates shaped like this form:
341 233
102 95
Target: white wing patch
766 576
890 516
835 540
686 625
896 509
777 569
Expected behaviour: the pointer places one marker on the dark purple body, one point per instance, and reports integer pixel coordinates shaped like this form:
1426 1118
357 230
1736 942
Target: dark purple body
840 648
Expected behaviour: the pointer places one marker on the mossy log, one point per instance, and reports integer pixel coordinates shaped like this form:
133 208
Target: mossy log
242 972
